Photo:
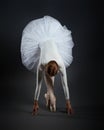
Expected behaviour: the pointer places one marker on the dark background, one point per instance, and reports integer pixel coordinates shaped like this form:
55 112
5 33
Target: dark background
85 75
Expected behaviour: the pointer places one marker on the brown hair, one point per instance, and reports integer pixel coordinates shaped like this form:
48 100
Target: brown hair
52 68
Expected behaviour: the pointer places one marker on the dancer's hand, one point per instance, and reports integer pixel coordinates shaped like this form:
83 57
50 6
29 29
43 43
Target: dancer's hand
68 107
35 108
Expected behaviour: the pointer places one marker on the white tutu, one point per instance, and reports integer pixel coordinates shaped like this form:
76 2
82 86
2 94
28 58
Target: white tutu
40 30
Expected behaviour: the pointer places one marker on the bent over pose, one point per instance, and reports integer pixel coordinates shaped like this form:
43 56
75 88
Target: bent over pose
47 46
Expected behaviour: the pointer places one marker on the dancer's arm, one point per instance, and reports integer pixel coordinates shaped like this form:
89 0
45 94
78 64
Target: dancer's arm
64 82
38 88
39 77
65 88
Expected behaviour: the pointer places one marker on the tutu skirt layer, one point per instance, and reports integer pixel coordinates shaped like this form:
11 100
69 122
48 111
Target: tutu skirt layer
40 30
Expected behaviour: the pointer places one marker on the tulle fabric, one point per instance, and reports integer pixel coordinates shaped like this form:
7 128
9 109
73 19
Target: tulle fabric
40 30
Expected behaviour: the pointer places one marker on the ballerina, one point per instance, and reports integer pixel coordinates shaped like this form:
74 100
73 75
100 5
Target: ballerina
46 47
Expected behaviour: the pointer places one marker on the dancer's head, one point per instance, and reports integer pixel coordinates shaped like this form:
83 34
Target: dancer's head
52 68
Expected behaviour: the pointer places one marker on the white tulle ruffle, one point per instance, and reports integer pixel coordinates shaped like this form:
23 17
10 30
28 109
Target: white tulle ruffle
40 30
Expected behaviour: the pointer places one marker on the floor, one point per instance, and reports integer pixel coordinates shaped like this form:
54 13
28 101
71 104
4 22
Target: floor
16 109
19 117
